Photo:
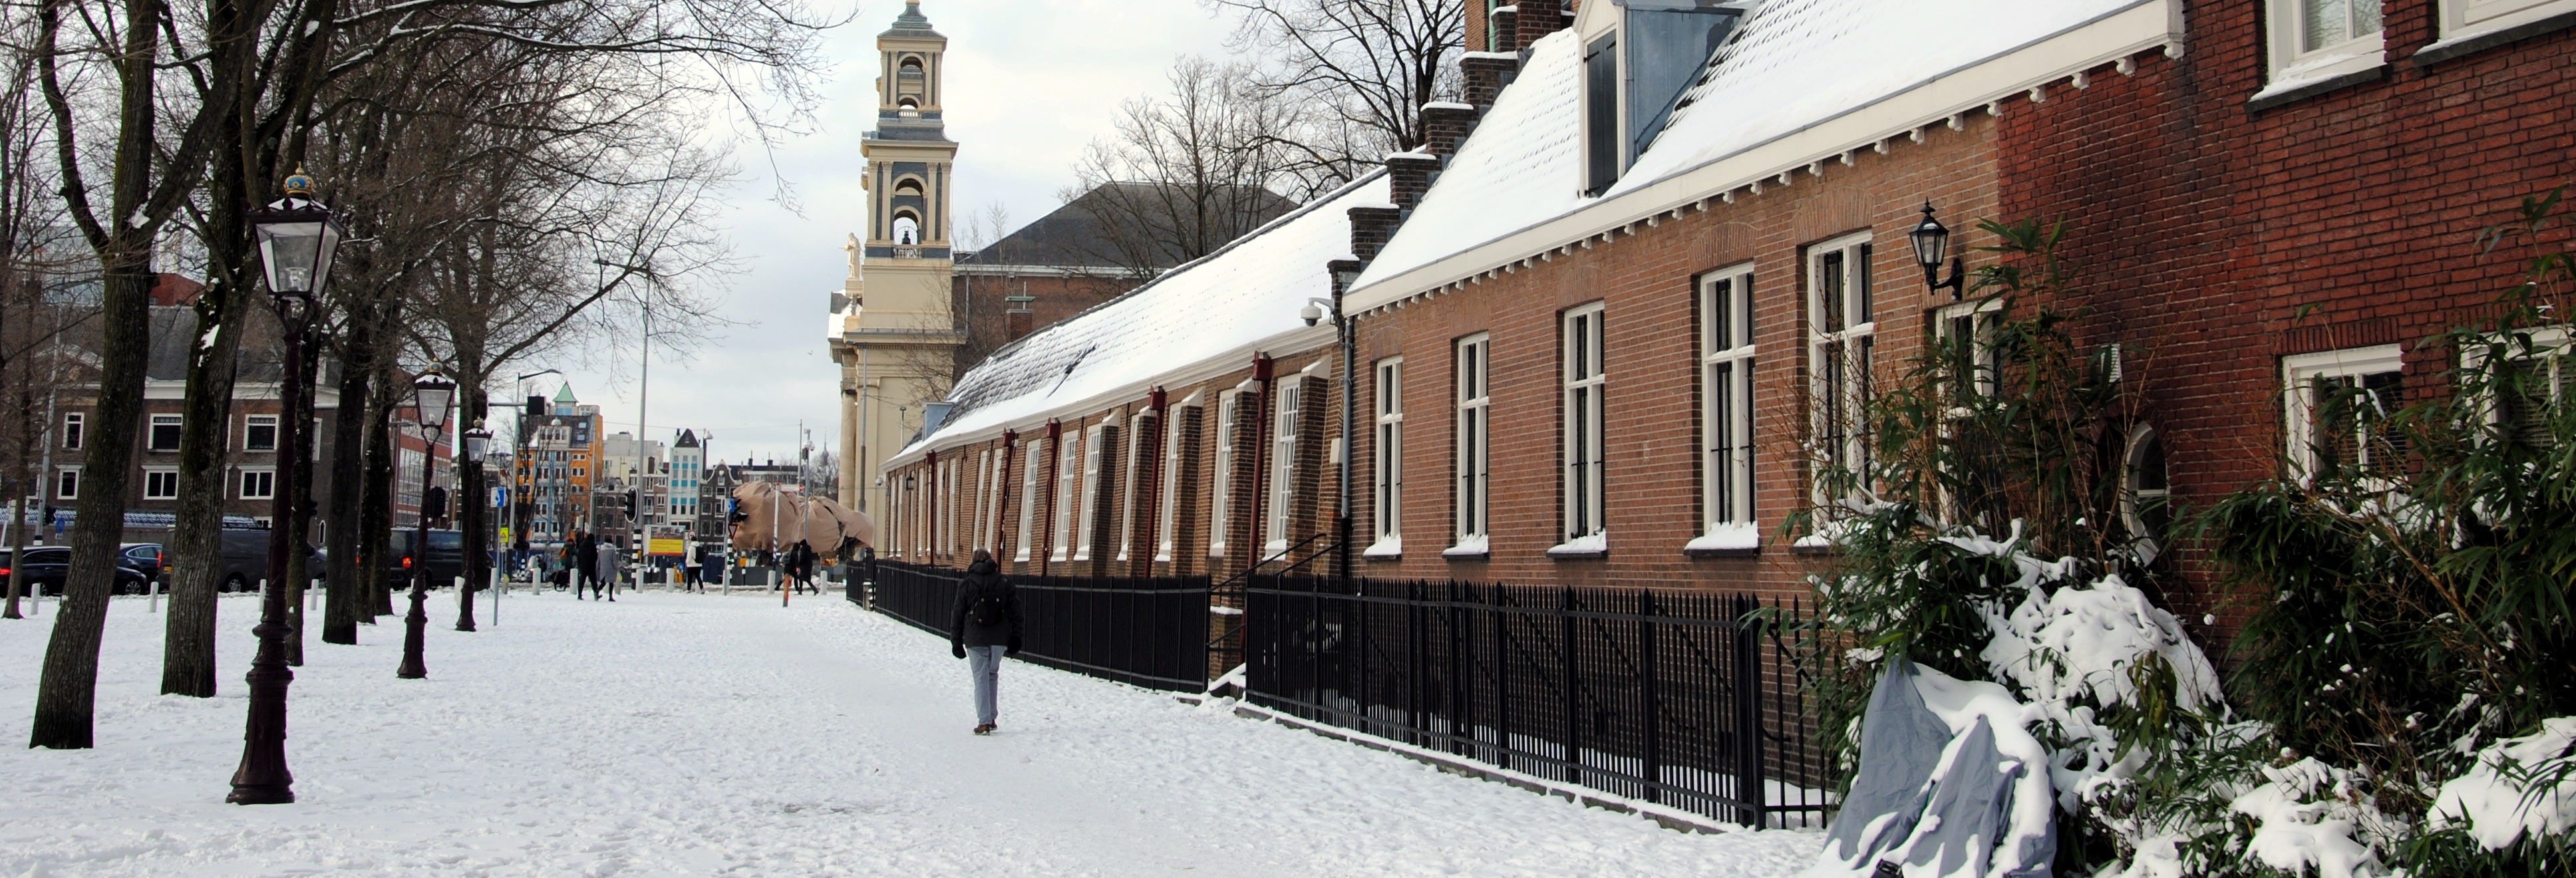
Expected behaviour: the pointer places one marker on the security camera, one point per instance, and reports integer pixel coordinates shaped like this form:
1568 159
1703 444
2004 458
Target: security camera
1312 314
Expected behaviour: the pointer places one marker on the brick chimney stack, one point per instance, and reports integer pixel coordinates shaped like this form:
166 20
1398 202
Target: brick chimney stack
1445 125
1408 175
1535 19
1506 29
1370 229
1486 72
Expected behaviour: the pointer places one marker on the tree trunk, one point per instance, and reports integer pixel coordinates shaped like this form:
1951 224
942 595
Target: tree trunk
22 480
376 506
68 689
345 526
196 538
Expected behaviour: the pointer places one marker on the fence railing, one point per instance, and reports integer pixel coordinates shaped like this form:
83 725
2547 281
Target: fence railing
1681 699
1148 631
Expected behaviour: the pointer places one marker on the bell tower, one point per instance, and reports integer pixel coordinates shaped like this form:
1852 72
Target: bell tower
892 332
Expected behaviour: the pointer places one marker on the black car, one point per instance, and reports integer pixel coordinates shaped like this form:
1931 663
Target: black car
145 557
446 557
241 560
45 568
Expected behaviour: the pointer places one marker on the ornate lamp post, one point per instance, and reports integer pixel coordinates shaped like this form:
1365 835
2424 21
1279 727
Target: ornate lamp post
297 238
476 442
433 394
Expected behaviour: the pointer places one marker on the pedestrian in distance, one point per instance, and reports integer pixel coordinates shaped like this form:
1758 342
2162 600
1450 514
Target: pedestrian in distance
984 628
585 562
608 572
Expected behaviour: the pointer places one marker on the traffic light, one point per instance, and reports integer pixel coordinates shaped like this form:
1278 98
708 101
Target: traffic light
434 503
630 505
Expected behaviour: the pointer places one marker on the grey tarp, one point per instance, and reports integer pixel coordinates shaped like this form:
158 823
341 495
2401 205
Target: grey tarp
1900 744
1898 810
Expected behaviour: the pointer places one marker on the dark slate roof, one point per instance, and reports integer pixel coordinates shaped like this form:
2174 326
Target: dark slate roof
911 23
688 439
1075 235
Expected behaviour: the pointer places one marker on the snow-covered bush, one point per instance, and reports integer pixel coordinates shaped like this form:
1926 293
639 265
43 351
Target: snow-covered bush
2408 633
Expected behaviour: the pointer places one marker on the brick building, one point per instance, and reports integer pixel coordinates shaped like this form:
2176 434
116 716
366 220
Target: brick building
1635 289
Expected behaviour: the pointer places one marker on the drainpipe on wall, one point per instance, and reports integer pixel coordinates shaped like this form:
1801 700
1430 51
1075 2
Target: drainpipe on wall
1344 271
1261 371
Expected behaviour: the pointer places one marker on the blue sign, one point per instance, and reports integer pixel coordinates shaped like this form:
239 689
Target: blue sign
500 497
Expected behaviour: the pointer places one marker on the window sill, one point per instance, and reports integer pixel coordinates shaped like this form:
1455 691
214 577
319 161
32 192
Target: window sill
1705 552
2479 38
1472 549
1587 548
2294 88
1387 548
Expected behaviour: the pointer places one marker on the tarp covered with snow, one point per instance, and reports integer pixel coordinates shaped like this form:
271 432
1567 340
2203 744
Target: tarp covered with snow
1245 295
1950 784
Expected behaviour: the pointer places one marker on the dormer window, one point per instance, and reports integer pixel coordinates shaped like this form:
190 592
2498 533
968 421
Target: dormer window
1640 59
1602 157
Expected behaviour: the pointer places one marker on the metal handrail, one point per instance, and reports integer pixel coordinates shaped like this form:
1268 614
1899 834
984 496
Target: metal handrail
1247 572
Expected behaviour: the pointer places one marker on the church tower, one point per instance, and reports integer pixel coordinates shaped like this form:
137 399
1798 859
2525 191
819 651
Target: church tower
892 333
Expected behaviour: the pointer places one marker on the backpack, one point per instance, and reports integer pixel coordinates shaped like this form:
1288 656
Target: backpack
990 607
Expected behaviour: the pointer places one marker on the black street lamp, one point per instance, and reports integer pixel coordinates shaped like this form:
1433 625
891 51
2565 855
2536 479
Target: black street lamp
1931 243
297 238
477 441
432 395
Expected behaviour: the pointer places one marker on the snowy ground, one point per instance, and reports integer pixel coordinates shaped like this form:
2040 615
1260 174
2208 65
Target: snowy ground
672 734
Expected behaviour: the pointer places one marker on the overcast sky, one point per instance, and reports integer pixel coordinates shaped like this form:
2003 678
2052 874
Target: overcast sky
1030 82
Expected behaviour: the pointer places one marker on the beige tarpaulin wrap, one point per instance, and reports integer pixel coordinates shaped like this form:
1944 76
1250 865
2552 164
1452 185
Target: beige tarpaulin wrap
774 520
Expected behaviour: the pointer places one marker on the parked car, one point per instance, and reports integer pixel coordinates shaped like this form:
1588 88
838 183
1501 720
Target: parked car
45 568
445 558
242 560
145 557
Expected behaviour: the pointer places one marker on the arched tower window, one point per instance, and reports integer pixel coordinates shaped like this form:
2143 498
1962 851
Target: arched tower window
907 229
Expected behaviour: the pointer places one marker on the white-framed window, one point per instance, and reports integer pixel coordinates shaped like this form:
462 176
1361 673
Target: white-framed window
2462 19
1386 510
75 425
1030 454
2312 40
1726 407
986 481
160 484
948 506
1966 331
258 484
1175 444
1229 418
1126 499
164 433
1471 443
1068 482
1283 463
1842 332
2335 401
259 432
67 484
2146 494
1585 425
1088 507
2533 386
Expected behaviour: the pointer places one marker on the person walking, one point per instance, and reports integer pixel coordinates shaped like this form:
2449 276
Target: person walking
608 572
584 561
984 628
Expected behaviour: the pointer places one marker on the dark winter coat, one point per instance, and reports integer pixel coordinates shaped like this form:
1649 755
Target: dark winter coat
982 579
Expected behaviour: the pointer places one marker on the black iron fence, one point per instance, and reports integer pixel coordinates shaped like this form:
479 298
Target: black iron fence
1686 700
1149 631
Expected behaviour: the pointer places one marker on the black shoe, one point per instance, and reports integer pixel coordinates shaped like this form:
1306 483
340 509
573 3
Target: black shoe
984 729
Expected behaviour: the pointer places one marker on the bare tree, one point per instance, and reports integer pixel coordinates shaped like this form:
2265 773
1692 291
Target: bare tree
1187 172
1366 67
32 325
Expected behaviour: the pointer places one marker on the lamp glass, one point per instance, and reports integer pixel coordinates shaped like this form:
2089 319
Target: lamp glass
296 247
433 394
478 442
1931 241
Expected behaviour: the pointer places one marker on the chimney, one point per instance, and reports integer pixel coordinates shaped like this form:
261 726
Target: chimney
1408 175
1535 19
1506 29
1016 324
1370 228
1486 73
1445 126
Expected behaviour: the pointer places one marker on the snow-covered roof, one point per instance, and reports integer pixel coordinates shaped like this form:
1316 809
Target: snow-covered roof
1225 305
1800 80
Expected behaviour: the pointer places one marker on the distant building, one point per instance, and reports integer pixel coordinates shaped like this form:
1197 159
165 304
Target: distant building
688 484
558 458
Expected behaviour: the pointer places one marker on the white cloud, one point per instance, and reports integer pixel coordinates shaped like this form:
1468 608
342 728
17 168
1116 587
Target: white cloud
1029 83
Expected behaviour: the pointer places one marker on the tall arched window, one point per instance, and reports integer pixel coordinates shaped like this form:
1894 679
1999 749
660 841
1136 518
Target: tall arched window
907 230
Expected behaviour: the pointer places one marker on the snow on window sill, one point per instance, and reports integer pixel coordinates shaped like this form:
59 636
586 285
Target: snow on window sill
1226 611
1583 547
2361 61
2474 37
1274 548
1727 538
1387 547
1475 548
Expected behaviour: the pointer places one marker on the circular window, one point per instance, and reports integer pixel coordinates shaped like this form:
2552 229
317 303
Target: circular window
2146 497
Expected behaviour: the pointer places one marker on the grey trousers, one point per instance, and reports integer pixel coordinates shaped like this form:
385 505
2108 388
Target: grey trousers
984 663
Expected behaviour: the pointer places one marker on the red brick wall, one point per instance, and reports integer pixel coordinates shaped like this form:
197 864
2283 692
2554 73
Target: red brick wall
2215 238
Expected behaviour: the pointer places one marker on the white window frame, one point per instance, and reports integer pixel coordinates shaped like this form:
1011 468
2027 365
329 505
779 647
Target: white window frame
1284 414
2549 343
1983 315
267 492
1726 409
2466 19
2298 404
1229 410
2145 541
250 427
2295 64
1387 469
160 483
75 429
986 480
1126 499
1851 348
1068 479
1167 526
1583 421
1030 453
152 430
1087 507
67 482
948 506
1471 441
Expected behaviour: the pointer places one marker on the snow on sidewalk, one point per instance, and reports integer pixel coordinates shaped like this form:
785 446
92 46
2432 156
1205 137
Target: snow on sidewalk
673 734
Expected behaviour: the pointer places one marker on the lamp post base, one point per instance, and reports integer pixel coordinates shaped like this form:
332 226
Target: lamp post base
263 778
415 626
